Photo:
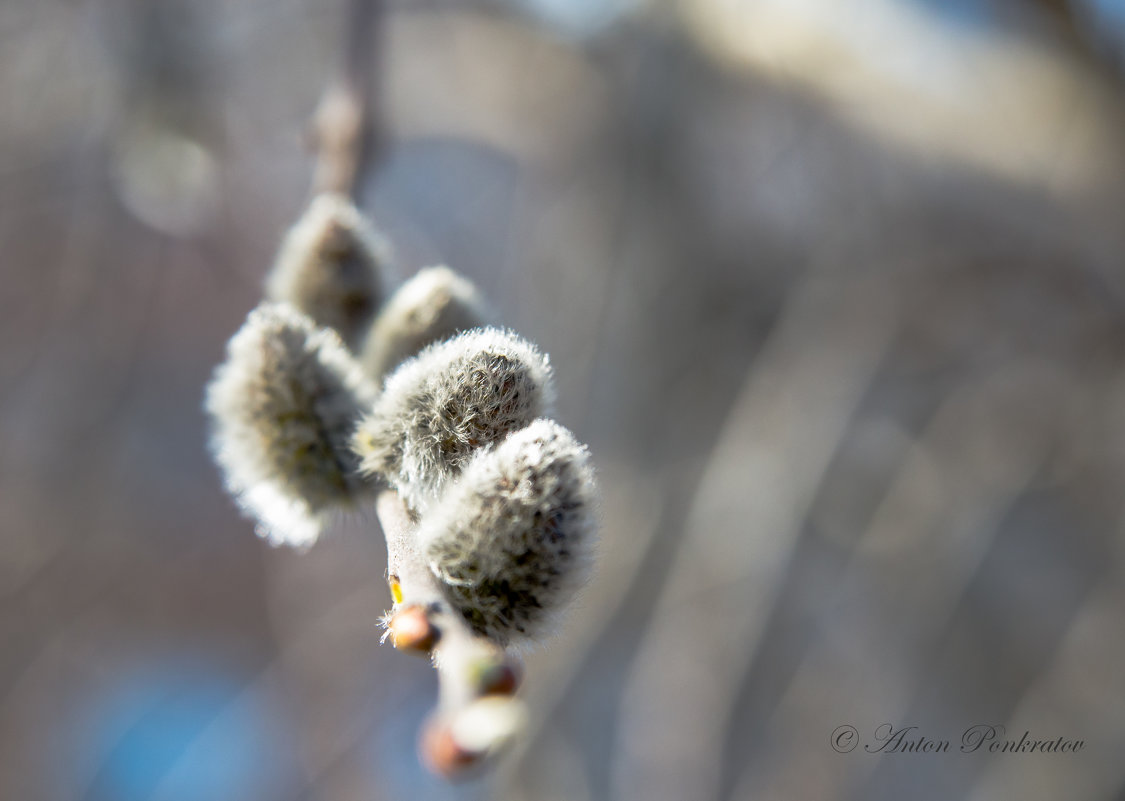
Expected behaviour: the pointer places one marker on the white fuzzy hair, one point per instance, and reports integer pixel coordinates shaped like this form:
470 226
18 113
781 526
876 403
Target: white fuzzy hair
513 537
435 304
329 267
284 405
451 399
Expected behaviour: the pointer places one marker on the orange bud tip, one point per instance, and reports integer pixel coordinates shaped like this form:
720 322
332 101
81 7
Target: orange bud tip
411 630
442 754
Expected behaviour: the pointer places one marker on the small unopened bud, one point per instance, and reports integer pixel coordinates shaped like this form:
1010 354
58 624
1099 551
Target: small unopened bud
284 405
453 398
433 305
411 630
442 754
488 724
477 731
512 539
329 268
495 675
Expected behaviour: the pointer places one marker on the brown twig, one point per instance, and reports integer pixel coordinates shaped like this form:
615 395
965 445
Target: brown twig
476 676
344 128
476 713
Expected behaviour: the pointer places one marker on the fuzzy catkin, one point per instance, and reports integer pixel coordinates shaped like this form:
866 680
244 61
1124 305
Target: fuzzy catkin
452 398
284 406
433 305
512 539
329 267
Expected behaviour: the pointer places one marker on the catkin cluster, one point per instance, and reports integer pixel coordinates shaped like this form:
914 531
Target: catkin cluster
330 392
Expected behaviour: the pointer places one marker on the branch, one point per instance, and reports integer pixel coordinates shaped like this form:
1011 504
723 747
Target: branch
486 505
344 125
476 714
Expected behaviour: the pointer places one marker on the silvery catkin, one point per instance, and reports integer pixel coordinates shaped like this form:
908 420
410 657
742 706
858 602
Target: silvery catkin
451 399
284 405
512 539
435 304
328 267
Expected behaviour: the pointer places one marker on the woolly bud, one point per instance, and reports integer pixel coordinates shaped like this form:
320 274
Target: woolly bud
284 406
451 399
512 539
328 267
433 305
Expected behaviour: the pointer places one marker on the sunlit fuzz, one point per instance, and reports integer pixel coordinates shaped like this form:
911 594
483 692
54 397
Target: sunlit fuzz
512 540
433 305
284 406
329 267
453 398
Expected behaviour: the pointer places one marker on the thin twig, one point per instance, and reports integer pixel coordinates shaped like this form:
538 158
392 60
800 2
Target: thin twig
344 127
469 665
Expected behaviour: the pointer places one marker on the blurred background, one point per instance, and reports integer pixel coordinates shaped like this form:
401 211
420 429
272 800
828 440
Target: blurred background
834 290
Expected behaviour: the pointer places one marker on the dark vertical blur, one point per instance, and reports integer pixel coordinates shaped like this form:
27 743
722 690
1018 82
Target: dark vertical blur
834 290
